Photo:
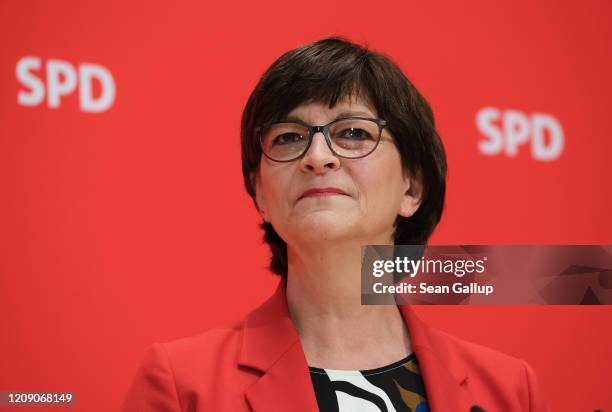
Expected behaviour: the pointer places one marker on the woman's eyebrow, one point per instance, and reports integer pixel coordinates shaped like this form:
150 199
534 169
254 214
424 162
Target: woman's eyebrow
338 116
354 113
293 119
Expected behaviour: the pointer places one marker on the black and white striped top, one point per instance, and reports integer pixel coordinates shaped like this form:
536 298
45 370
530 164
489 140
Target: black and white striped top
397 387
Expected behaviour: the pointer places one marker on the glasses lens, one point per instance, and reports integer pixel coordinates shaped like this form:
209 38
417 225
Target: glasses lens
284 141
354 137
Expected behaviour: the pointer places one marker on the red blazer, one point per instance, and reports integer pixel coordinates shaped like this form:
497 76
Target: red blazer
258 365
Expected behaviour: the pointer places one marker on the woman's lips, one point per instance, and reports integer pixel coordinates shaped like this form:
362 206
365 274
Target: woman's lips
324 191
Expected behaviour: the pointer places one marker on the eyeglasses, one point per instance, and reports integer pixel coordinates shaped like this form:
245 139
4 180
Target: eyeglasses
348 137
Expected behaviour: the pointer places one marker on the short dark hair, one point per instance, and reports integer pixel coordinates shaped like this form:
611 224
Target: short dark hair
328 71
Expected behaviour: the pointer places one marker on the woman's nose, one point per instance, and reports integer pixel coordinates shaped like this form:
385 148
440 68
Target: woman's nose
319 158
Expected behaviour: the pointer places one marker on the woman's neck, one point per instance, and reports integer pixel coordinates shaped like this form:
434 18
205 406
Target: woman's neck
335 329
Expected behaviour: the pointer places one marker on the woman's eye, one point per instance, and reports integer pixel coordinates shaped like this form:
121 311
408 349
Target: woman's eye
287 138
356 134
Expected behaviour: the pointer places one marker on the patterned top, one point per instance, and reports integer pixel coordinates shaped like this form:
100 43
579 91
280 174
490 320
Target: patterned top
397 387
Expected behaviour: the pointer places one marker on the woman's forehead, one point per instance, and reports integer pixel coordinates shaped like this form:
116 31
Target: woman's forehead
349 106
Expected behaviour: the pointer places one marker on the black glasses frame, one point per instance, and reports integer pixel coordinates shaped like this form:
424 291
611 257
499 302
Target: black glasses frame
323 129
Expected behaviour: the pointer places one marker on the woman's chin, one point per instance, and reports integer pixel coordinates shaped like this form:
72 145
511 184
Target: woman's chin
325 224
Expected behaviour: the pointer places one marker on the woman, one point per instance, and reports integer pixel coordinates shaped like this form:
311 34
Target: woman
339 150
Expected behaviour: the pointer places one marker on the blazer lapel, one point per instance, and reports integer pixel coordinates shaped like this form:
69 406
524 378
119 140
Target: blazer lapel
272 348
443 373
286 386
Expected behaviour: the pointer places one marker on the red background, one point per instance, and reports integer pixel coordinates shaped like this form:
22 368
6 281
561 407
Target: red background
131 226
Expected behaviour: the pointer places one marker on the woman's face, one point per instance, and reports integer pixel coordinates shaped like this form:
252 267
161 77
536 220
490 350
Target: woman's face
375 188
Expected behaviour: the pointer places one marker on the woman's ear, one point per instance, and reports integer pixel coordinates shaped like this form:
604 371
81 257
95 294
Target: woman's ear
413 195
259 199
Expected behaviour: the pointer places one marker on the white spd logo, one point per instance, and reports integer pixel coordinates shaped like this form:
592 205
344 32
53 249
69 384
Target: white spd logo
62 78
505 131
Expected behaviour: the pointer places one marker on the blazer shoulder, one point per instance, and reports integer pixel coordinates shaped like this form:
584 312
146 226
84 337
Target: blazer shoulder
172 373
213 346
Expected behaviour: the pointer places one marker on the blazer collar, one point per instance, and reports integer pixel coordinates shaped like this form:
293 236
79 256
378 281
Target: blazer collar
271 346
